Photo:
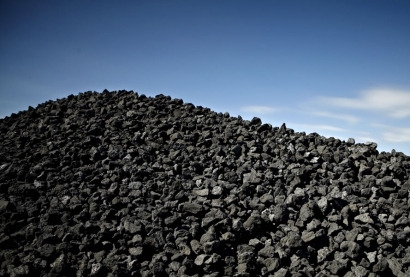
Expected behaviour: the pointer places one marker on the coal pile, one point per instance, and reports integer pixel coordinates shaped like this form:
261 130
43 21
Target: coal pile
120 184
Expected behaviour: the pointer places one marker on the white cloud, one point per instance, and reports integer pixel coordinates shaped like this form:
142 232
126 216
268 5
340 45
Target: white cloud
366 139
397 135
259 109
394 134
345 117
394 103
378 125
321 127
363 136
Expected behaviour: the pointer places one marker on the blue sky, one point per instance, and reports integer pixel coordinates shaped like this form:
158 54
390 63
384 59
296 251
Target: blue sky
337 68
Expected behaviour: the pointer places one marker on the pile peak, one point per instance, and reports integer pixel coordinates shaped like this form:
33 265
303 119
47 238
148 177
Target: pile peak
121 184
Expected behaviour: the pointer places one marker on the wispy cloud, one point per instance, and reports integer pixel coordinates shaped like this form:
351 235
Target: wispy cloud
394 103
320 127
259 109
366 139
363 136
345 117
397 135
394 134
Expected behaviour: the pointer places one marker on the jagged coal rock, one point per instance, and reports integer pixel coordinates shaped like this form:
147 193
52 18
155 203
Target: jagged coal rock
121 184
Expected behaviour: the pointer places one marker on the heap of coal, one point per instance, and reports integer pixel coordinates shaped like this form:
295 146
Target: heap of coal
120 184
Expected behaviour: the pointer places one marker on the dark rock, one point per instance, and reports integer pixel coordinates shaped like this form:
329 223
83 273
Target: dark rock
293 240
282 272
4 205
381 266
351 248
339 266
191 208
280 213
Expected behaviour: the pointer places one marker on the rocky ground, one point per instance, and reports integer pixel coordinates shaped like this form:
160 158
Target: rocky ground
120 184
